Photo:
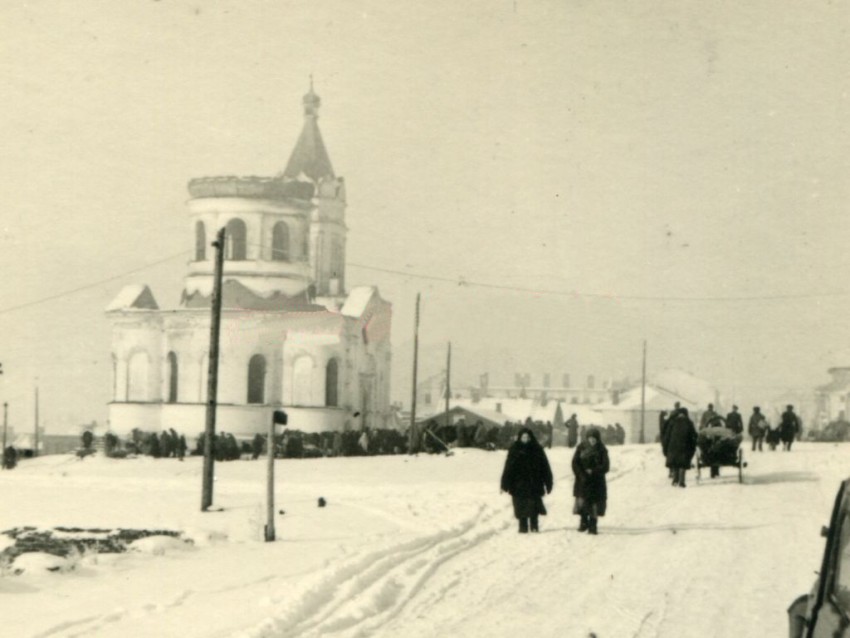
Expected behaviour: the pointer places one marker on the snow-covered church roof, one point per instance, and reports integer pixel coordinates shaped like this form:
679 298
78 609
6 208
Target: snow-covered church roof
357 301
133 297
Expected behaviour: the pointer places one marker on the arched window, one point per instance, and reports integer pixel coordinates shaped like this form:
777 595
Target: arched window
332 384
137 377
236 240
200 241
280 242
172 377
257 379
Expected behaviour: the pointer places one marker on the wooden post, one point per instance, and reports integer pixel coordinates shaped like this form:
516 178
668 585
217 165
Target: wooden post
412 438
270 535
212 375
278 416
643 397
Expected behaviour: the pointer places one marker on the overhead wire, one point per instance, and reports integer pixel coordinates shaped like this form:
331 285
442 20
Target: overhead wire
467 283
93 284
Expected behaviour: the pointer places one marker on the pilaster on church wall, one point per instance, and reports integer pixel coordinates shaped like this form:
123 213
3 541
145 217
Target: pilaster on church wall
348 380
299 349
134 332
187 334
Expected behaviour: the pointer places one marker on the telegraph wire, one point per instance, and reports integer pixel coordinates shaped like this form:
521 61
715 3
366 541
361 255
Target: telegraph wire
93 284
462 282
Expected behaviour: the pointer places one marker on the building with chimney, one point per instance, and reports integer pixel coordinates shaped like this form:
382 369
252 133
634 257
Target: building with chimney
293 335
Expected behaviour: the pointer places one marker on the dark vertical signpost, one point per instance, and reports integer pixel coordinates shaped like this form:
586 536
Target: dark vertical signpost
412 441
278 416
212 375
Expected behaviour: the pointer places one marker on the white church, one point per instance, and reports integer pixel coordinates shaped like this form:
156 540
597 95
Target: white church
292 335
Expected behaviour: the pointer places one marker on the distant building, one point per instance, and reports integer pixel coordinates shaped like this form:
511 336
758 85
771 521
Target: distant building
663 390
541 387
292 335
832 398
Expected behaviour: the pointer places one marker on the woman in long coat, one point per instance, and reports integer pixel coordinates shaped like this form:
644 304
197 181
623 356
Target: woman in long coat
681 445
527 477
590 464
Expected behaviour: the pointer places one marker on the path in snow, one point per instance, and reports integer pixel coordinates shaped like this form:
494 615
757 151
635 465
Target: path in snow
428 547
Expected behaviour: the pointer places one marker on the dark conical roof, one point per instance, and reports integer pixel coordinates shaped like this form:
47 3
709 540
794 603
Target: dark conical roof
309 157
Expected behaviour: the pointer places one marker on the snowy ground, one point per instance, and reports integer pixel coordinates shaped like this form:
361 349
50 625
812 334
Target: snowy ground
421 546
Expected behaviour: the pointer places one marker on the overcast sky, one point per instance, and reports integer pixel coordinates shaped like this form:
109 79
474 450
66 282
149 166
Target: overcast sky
654 170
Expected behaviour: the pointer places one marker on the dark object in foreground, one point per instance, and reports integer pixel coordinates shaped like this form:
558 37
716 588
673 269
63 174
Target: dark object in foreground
322 502
824 611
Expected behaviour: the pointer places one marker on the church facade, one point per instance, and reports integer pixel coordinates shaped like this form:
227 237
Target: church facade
292 335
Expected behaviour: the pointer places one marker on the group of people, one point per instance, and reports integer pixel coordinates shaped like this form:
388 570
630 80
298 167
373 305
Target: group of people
610 434
527 477
761 430
718 438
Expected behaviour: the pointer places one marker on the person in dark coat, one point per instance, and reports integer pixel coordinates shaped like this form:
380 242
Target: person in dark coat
590 464
572 431
756 428
771 435
621 434
663 423
734 421
708 417
789 428
681 445
527 476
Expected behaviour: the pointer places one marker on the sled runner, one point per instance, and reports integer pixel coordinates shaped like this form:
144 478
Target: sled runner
718 446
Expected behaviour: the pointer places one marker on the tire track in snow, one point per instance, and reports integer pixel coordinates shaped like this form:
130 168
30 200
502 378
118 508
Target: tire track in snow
370 590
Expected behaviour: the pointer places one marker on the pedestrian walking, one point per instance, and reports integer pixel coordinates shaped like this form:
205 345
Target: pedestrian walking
527 476
707 418
756 428
734 421
771 435
789 428
663 424
590 464
572 431
681 445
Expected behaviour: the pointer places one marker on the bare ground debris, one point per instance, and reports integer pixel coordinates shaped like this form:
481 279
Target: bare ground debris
64 541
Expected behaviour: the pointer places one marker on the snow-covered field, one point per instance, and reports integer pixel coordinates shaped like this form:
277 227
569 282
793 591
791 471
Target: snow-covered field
420 546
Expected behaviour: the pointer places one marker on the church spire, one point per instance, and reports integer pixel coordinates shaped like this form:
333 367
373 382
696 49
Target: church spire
309 157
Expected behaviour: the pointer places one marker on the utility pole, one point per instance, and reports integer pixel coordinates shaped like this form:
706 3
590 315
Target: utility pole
448 380
35 433
212 374
278 416
643 397
5 424
412 439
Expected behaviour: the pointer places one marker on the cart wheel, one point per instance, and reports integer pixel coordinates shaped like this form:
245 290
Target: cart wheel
740 466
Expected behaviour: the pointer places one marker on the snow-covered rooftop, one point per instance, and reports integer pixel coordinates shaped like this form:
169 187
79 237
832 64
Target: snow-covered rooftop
357 301
133 297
